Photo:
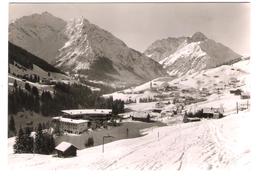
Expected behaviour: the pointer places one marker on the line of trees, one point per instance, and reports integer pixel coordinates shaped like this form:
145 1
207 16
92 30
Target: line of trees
117 105
64 97
41 143
19 100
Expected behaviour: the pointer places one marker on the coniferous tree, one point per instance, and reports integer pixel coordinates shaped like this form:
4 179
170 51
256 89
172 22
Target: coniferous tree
89 142
12 125
35 91
27 87
15 84
39 140
49 144
19 142
23 142
44 142
28 140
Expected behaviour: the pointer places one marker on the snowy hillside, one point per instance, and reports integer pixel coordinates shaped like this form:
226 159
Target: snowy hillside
217 77
221 77
214 144
186 55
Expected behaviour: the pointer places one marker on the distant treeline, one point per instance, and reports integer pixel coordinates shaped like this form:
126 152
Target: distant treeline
64 97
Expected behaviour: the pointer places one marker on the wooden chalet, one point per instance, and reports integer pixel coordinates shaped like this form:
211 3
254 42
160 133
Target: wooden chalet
65 149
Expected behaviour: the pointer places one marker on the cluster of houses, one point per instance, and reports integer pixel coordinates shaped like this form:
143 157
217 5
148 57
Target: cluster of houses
214 113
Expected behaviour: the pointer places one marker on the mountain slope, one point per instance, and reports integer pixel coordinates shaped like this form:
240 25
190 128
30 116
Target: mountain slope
40 34
184 55
82 48
98 54
27 60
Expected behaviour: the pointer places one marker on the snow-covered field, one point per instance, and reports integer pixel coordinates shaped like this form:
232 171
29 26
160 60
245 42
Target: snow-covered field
212 144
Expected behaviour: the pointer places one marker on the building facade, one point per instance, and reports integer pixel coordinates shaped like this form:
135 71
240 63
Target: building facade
78 121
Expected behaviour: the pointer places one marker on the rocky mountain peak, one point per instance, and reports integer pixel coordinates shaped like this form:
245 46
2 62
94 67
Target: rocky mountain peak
190 54
198 36
39 34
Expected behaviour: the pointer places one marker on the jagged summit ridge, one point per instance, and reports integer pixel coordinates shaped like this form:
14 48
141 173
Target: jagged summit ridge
184 55
198 36
88 43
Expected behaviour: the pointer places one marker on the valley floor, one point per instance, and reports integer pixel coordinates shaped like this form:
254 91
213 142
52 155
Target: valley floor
209 144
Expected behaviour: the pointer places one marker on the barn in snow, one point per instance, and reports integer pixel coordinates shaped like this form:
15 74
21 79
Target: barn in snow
65 149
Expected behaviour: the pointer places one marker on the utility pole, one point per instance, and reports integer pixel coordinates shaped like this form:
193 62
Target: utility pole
103 146
237 107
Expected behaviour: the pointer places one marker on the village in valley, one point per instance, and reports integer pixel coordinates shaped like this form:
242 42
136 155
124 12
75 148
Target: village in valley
81 98
149 107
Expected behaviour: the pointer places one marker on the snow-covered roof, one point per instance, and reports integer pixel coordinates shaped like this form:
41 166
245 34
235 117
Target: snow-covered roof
63 146
208 110
245 93
87 111
213 110
140 114
73 121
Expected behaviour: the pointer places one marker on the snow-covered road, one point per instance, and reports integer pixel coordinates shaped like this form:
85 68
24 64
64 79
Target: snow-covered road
210 144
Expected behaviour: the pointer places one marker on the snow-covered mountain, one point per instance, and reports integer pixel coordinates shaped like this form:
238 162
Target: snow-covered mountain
93 51
184 55
39 34
80 47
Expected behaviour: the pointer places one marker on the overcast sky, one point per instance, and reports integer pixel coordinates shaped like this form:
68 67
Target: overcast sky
140 24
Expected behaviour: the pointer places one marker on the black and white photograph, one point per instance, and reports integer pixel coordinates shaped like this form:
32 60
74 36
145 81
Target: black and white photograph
146 86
